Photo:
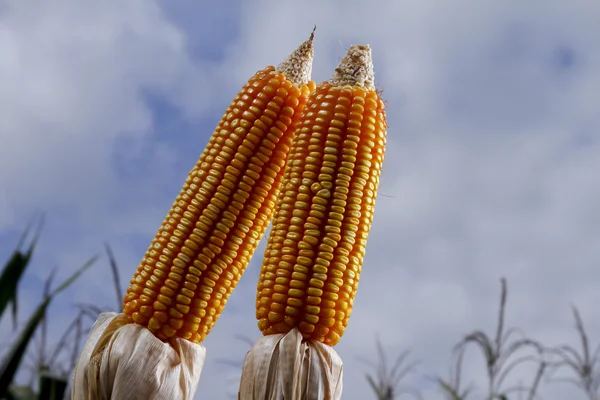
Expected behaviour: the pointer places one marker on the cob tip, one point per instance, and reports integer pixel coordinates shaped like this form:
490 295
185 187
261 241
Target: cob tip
297 67
355 69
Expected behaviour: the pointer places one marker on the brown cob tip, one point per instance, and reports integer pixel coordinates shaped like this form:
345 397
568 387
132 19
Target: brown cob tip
298 66
355 69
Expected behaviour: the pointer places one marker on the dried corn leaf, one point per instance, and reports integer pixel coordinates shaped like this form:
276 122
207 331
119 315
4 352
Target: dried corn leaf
122 360
284 367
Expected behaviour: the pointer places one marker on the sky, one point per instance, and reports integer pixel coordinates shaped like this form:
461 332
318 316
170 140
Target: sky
490 169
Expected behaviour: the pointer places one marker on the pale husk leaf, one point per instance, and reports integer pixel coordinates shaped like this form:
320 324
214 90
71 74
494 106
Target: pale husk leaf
125 361
284 367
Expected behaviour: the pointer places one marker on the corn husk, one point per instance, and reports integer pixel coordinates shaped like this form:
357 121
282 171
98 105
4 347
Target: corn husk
284 366
125 361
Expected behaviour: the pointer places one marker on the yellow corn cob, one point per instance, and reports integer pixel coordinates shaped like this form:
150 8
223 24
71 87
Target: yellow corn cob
215 224
315 251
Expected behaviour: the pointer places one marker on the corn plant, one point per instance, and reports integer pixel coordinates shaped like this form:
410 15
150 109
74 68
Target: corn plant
51 386
501 355
452 388
584 365
386 381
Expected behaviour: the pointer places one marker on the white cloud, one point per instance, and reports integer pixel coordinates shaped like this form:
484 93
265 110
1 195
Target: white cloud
74 77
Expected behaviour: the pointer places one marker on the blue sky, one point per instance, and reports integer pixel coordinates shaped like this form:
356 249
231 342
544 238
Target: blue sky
493 147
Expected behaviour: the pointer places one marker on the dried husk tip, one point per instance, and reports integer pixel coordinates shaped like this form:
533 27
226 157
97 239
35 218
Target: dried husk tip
284 366
355 69
297 67
122 360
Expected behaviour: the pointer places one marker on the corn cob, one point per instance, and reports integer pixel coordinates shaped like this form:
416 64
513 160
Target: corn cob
214 226
315 251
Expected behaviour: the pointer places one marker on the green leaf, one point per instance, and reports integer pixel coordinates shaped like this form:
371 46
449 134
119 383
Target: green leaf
74 277
449 390
9 280
10 365
14 269
374 386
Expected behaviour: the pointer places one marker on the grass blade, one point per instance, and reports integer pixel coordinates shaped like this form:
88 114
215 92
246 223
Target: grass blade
14 269
74 277
116 278
10 365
